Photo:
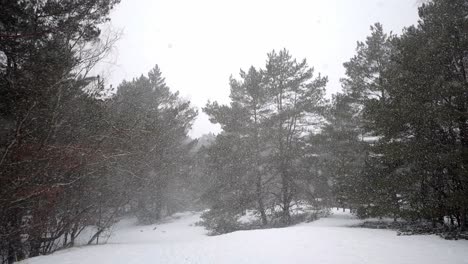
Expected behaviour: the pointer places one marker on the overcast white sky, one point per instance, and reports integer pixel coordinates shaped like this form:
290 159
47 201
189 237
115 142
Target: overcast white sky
199 44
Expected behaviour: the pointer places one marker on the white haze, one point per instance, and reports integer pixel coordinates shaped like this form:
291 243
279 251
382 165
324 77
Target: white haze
199 44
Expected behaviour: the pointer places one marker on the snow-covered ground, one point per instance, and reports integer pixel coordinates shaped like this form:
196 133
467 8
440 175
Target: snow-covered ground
328 240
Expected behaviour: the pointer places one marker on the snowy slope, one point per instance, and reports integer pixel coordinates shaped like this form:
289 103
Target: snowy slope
327 240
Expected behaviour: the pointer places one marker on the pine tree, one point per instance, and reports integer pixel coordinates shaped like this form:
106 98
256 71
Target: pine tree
151 124
417 167
47 47
296 103
338 152
244 120
270 114
374 191
428 109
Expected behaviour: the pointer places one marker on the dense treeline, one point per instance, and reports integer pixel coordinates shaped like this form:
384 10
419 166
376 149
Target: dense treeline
73 154
394 143
412 96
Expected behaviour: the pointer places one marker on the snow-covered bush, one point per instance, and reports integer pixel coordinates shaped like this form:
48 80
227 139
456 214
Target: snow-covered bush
220 222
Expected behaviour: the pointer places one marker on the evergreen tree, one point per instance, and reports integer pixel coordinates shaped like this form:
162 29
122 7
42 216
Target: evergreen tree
296 104
426 116
270 114
243 120
151 125
48 48
338 153
416 168
374 192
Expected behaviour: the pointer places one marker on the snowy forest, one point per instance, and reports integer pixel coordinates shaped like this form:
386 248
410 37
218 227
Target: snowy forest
76 152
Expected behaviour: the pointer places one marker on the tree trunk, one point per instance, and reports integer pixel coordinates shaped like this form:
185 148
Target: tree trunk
261 206
463 220
15 246
286 217
35 246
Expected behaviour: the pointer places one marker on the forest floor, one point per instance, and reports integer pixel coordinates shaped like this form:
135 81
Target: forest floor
329 240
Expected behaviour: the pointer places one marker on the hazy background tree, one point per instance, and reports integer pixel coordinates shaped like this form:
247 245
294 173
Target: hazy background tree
151 124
